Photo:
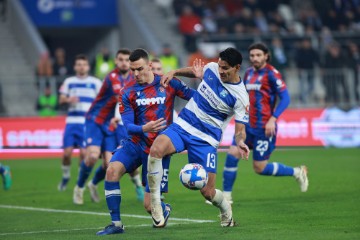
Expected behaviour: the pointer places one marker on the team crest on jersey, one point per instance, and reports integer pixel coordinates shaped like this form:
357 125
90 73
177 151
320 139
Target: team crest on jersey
224 93
161 89
89 140
116 86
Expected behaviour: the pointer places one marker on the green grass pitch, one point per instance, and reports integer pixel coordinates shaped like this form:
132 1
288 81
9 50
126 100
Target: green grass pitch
264 207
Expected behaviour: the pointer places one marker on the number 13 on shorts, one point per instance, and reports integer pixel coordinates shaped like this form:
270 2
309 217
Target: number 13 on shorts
211 161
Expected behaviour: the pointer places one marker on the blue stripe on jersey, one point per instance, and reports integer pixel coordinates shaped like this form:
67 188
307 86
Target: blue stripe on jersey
76 114
82 85
210 130
86 99
214 83
202 103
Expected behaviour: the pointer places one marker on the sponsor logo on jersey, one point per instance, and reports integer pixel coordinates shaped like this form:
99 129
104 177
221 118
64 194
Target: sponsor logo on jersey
150 101
224 93
253 86
209 95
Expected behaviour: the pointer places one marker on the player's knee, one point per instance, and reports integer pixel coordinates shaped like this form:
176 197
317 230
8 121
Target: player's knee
93 157
156 151
112 174
258 168
67 159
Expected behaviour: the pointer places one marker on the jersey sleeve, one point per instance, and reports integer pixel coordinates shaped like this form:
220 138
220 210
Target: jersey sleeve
277 83
64 88
241 108
181 89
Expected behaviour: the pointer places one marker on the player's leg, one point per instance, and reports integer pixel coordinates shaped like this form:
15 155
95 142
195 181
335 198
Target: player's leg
263 147
123 159
230 170
65 167
94 137
165 144
202 153
136 180
6 176
68 146
166 207
108 146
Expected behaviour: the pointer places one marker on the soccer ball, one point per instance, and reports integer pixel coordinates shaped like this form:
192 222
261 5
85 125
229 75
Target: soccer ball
193 176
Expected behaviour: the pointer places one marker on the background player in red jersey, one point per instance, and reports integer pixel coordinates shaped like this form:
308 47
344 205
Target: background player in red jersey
264 84
146 109
99 133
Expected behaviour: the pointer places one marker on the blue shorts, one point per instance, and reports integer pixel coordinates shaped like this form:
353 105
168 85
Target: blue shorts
96 135
199 151
74 135
132 156
261 145
121 134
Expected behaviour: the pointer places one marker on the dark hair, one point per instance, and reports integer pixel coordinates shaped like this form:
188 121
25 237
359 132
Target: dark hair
156 60
123 51
261 46
231 56
81 57
139 53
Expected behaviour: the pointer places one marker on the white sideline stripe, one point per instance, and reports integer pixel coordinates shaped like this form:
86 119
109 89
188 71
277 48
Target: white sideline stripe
98 213
72 230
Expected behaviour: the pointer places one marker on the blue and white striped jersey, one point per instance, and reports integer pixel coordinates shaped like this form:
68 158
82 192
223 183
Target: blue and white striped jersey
209 111
86 90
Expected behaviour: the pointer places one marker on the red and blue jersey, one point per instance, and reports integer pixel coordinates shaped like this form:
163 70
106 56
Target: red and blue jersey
263 86
140 104
102 109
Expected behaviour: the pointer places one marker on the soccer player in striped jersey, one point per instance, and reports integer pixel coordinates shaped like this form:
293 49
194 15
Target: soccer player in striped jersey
146 108
78 92
264 84
100 134
199 127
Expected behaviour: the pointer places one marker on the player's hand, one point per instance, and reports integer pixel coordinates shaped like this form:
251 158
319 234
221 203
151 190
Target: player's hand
244 150
72 100
270 127
197 68
114 122
165 79
154 126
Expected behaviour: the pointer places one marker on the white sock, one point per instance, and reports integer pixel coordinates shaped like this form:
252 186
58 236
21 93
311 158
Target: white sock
136 180
219 201
296 171
66 171
155 173
117 223
227 195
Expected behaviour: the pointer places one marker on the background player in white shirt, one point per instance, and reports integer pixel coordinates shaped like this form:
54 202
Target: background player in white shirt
78 92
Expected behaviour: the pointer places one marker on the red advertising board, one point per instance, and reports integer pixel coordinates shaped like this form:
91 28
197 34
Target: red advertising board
296 127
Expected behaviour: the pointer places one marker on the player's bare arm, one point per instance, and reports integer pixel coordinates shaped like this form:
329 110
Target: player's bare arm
270 127
196 71
240 136
154 126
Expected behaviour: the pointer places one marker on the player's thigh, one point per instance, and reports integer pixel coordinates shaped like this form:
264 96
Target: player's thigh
94 135
129 156
203 153
109 143
168 142
69 136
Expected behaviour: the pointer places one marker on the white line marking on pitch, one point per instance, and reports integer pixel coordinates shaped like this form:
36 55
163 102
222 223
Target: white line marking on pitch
98 213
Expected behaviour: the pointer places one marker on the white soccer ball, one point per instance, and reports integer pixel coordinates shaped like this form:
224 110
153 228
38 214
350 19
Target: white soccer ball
193 176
